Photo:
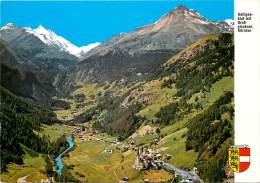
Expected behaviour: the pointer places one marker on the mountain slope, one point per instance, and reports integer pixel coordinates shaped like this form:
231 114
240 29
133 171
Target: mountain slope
143 50
192 94
201 77
27 44
35 60
51 39
26 85
19 122
23 83
174 31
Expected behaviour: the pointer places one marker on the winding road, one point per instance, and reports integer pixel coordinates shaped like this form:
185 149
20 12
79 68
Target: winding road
184 174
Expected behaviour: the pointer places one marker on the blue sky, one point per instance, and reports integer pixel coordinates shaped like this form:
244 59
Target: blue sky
84 22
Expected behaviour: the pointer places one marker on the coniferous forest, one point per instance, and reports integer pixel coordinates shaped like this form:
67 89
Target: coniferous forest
19 121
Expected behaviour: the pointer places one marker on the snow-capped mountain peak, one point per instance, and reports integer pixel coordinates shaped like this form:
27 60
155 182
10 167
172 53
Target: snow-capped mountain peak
53 40
41 30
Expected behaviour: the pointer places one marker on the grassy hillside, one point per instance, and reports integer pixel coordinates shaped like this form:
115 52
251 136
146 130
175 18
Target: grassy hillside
208 132
185 88
33 168
189 87
203 77
19 121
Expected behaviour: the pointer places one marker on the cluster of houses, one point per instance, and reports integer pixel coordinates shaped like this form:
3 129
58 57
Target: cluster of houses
131 145
148 158
79 132
92 136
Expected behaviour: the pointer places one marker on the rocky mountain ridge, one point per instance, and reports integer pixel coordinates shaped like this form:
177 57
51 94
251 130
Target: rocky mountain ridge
143 50
51 39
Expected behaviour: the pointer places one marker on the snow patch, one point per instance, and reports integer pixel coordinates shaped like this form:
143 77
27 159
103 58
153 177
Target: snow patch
84 49
53 40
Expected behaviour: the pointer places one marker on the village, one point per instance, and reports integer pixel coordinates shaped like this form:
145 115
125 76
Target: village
146 157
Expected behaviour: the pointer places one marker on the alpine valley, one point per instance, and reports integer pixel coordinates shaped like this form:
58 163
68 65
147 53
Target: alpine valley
152 105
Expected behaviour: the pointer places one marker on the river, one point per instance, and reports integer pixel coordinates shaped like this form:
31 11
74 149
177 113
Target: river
58 158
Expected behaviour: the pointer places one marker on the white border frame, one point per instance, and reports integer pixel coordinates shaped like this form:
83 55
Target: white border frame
247 89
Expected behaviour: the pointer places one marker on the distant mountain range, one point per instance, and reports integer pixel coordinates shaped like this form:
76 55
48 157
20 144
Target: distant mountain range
126 57
135 55
172 31
28 64
40 52
51 39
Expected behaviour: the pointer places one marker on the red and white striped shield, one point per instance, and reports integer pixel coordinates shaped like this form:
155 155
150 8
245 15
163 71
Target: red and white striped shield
239 158
244 160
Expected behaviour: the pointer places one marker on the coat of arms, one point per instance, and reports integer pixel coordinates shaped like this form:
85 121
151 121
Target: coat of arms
239 158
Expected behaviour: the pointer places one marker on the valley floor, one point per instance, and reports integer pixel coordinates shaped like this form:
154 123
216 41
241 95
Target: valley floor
89 161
